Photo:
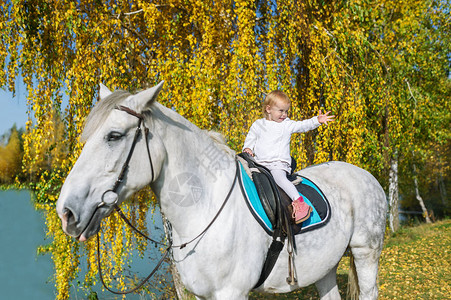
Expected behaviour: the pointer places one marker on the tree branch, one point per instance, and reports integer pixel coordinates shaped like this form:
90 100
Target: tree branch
410 91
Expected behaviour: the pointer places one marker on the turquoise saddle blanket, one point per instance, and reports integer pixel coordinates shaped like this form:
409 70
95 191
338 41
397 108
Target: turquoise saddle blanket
312 195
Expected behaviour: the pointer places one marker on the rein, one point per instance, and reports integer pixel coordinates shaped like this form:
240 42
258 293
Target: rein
119 180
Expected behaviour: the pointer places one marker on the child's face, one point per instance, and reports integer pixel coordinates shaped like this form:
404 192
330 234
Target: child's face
278 111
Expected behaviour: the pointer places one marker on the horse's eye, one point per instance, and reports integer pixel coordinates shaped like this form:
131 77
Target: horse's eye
114 136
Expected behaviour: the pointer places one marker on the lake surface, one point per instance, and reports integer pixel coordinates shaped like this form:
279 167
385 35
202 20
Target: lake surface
24 274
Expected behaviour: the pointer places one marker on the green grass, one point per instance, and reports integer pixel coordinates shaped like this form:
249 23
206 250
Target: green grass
415 264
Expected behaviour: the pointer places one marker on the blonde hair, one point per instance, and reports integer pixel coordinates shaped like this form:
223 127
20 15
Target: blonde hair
272 98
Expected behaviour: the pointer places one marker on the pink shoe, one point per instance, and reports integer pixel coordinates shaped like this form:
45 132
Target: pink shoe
301 211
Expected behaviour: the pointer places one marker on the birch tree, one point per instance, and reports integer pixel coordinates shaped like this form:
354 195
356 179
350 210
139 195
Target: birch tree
218 59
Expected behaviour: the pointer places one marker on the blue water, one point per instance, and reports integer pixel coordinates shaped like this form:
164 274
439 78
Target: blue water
24 274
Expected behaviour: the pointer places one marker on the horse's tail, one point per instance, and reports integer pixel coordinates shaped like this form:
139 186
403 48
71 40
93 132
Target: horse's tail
353 285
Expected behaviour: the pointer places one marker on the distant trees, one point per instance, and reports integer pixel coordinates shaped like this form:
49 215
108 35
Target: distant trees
40 158
11 152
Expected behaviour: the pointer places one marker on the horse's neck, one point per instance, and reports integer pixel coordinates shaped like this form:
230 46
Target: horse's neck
196 174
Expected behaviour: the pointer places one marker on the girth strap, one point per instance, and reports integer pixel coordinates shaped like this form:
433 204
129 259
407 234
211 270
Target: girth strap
271 259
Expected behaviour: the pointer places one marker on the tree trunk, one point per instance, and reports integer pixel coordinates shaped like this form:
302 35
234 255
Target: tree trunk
182 293
442 189
393 193
417 195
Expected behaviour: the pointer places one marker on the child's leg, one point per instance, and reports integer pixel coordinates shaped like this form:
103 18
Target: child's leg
280 176
301 210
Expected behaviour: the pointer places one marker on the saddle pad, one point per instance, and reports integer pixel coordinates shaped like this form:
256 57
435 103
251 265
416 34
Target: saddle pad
253 201
314 197
311 194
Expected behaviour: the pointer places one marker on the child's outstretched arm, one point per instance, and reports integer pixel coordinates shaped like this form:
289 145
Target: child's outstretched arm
324 118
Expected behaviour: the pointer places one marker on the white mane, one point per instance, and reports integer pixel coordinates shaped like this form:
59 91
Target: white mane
220 141
102 109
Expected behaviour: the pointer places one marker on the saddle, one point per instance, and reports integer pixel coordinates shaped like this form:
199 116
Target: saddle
266 187
271 209
269 202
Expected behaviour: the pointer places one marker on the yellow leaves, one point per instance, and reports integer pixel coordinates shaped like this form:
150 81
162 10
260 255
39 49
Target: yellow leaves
63 253
218 60
418 265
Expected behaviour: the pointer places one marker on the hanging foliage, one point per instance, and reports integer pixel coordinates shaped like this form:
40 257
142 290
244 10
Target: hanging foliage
218 60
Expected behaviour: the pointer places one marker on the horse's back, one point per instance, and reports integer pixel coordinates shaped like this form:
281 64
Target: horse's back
354 194
357 219
349 179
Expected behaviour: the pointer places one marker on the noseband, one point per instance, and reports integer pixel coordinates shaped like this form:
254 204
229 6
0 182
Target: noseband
114 204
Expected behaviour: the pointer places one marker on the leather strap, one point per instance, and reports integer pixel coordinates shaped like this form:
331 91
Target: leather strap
127 221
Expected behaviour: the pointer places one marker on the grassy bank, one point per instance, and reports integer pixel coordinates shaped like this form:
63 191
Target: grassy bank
415 264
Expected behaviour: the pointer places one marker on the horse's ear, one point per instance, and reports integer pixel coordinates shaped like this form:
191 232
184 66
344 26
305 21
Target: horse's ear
145 98
104 91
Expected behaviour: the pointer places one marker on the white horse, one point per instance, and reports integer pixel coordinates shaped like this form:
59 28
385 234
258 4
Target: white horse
191 172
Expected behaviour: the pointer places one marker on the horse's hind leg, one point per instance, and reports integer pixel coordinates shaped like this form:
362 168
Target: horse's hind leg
366 262
327 286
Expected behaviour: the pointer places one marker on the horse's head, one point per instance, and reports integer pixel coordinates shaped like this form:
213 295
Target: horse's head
91 189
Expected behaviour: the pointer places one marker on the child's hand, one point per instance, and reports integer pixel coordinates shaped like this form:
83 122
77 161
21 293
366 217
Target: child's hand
323 119
249 151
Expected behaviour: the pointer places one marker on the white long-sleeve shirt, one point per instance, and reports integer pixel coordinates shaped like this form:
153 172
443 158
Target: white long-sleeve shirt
270 140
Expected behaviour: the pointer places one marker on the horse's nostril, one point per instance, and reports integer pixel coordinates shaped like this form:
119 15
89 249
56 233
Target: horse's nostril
70 221
68 216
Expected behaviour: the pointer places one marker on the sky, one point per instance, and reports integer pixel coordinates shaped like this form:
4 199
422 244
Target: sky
13 109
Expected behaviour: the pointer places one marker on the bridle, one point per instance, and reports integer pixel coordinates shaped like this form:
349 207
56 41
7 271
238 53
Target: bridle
120 178
142 127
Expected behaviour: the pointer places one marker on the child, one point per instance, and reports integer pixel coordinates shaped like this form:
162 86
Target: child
268 141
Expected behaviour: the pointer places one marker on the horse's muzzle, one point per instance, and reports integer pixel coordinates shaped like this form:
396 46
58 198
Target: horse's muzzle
82 227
